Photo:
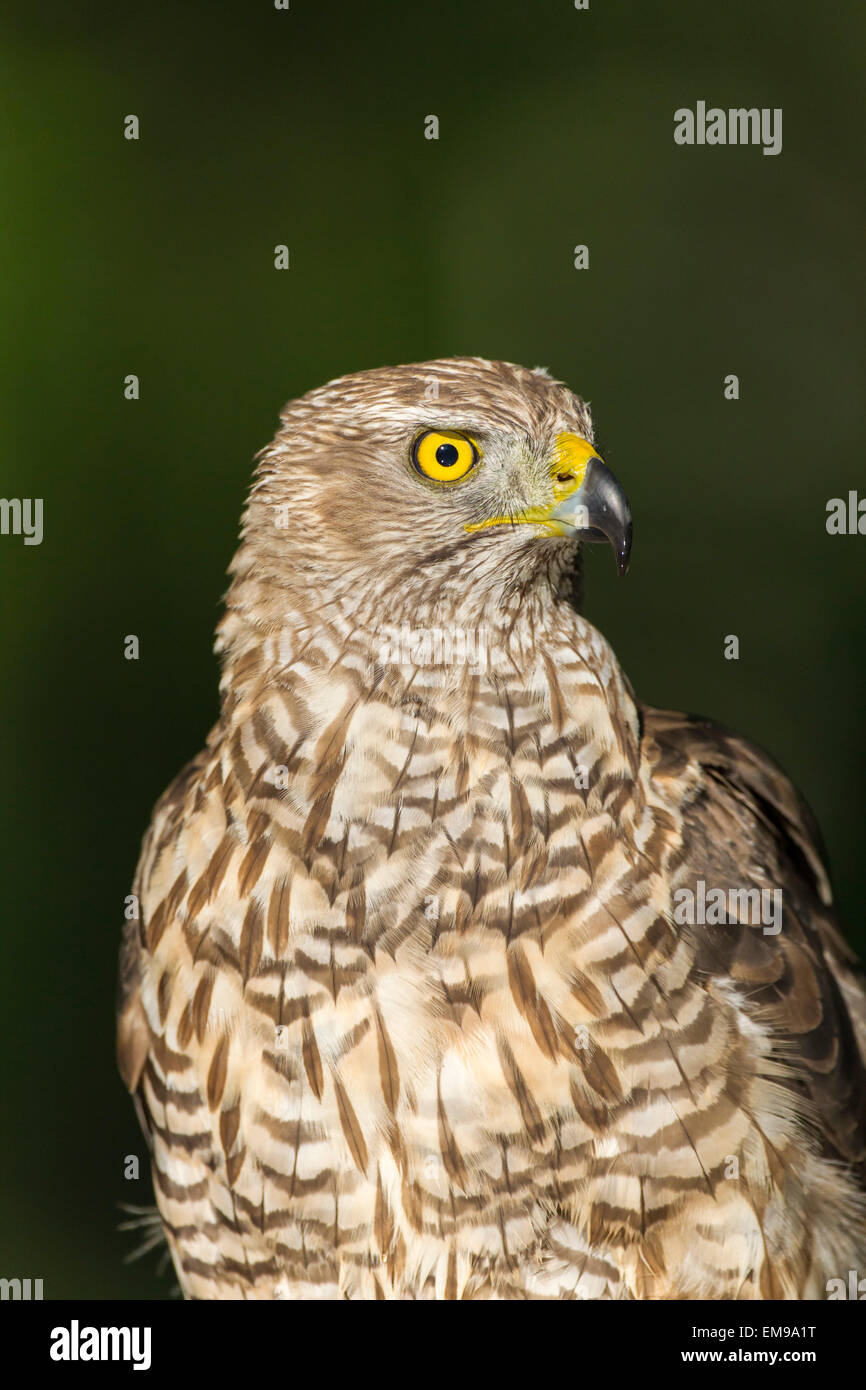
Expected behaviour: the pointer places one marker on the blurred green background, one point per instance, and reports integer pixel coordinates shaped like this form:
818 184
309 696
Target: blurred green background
305 127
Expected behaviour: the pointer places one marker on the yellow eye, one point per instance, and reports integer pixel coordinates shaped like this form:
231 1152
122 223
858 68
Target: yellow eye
444 455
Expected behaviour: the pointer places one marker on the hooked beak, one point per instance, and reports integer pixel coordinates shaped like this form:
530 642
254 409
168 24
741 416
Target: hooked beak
597 510
588 502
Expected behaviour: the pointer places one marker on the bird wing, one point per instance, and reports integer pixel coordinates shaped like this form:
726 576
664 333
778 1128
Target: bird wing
746 826
133 1032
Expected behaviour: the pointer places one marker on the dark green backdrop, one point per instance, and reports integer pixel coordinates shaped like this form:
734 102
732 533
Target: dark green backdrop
305 127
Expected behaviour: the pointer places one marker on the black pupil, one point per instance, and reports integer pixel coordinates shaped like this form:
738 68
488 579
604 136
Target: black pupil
447 455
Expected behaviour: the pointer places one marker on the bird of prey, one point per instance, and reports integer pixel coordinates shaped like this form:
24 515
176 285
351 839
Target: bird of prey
459 973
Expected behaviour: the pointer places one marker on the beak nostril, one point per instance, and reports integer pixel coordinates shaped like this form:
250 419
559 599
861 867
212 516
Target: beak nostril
565 477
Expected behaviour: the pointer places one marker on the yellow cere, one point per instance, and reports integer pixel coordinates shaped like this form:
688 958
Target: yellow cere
444 455
568 464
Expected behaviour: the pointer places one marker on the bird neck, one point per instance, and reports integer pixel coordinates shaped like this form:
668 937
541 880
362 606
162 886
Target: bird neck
493 676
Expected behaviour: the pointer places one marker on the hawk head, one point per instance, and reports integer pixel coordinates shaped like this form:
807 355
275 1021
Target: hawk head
446 487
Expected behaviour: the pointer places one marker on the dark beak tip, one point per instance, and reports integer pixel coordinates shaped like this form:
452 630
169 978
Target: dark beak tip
623 556
609 513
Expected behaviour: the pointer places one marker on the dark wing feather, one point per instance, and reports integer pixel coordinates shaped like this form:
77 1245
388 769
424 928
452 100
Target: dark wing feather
745 826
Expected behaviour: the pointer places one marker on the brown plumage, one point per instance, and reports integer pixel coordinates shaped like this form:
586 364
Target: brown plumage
412 1009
